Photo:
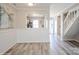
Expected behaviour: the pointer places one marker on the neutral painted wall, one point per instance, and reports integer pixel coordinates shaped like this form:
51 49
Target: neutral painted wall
57 8
32 35
7 36
7 39
25 34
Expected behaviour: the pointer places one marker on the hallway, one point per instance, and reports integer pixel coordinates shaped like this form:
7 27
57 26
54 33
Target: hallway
39 29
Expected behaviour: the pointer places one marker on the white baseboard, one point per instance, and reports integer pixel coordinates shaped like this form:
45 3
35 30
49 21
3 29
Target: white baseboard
33 42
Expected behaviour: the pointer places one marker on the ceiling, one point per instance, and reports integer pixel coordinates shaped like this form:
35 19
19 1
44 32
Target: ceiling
36 5
23 5
43 6
54 8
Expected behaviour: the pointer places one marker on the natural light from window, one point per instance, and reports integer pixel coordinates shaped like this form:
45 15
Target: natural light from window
35 24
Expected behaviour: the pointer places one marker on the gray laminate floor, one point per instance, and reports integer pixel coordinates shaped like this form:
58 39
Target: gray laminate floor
29 49
58 48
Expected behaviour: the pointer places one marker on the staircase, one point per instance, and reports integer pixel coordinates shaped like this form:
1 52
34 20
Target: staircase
71 22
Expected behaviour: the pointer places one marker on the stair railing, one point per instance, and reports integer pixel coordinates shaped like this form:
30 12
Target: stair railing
71 16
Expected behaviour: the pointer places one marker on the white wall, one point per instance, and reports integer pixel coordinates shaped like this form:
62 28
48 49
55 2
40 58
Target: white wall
7 36
7 39
32 35
57 8
25 34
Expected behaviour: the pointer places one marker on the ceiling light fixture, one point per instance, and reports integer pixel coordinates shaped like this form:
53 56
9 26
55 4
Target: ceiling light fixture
30 4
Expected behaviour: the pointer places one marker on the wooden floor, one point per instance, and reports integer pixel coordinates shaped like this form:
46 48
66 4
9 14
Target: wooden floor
71 47
61 48
29 49
67 48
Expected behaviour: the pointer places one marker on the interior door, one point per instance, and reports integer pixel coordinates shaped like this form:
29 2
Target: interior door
59 26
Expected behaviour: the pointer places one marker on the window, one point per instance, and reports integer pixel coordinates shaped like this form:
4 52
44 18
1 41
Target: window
35 24
5 19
